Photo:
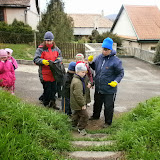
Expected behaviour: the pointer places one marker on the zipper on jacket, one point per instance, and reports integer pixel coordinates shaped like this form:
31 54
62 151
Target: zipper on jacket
100 72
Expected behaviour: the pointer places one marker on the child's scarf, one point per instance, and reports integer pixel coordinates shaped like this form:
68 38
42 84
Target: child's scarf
82 79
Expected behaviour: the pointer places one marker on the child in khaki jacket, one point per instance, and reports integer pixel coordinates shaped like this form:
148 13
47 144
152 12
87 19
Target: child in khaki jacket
78 98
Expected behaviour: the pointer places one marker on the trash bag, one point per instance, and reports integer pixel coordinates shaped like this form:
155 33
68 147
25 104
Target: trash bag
58 70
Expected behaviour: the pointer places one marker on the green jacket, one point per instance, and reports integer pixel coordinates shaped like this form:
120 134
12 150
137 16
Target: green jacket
77 98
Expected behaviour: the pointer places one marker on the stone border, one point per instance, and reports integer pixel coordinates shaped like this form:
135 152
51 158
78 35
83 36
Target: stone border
30 62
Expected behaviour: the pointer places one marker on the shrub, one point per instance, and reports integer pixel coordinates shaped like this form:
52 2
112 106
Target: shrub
157 56
17 32
116 39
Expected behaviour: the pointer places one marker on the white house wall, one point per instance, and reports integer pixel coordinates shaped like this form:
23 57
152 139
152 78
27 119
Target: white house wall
102 30
32 15
144 46
88 31
18 14
123 26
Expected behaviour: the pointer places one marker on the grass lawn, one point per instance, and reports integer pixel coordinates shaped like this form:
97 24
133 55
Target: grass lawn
21 51
25 51
29 132
137 132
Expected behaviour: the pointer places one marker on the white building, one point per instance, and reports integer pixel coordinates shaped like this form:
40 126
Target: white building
138 26
26 11
84 24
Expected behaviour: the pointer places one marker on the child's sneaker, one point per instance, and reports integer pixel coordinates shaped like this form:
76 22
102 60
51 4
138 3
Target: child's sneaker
82 132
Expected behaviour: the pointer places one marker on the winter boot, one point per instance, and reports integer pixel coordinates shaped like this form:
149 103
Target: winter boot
53 105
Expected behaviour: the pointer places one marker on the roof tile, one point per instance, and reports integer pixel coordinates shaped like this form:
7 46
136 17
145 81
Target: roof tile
145 20
15 2
90 20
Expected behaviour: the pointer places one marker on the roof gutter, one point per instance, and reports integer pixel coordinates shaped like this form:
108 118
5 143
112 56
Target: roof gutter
14 6
148 40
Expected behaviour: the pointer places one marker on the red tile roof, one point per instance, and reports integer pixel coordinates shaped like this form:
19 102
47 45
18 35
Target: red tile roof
145 20
14 2
90 20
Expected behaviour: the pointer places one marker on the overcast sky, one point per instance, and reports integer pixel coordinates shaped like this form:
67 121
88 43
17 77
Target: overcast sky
96 6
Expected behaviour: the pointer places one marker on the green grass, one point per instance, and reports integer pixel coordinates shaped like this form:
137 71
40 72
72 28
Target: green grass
138 131
21 51
25 51
31 132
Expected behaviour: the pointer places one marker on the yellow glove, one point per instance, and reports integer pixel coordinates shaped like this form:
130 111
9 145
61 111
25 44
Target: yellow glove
90 58
45 62
113 84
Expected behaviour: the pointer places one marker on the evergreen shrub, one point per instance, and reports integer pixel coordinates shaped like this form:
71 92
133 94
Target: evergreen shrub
157 56
17 32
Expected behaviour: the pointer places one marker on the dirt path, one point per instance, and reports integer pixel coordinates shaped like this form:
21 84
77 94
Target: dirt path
141 82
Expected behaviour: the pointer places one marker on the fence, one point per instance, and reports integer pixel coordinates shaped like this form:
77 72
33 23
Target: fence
138 53
69 50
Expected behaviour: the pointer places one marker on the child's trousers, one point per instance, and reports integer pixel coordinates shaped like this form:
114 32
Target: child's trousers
80 118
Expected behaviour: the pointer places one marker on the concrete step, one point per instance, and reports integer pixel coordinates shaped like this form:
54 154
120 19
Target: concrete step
91 143
101 136
93 155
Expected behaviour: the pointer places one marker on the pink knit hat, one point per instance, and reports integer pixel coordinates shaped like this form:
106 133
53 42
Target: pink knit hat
3 53
9 51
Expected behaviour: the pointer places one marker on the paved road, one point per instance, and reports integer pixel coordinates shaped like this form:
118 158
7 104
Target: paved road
141 82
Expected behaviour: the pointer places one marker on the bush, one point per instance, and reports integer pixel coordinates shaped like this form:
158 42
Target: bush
116 39
17 32
157 56
98 38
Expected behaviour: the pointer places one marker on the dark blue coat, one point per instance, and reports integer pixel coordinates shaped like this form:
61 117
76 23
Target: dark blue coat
107 69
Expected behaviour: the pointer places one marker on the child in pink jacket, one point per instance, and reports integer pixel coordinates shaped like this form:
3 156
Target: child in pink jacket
10 58
7 75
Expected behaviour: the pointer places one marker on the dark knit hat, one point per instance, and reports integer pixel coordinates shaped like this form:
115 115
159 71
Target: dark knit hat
107 43
48 36
72 66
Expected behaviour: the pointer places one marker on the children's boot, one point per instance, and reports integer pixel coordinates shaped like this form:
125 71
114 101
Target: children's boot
53 105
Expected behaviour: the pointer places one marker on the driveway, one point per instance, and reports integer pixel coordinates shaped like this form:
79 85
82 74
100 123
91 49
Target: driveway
141 82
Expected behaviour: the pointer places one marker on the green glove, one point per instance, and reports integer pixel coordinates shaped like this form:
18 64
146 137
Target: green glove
45 62
113 84
90 58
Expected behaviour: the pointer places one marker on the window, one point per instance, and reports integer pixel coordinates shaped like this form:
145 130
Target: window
1 14
153 48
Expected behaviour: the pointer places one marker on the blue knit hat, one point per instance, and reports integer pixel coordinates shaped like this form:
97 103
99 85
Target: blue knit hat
48 36
107 43
72 66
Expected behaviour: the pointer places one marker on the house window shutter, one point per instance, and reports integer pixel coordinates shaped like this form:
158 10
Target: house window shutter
1 14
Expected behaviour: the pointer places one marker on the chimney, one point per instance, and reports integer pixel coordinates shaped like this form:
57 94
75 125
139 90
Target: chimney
102 13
